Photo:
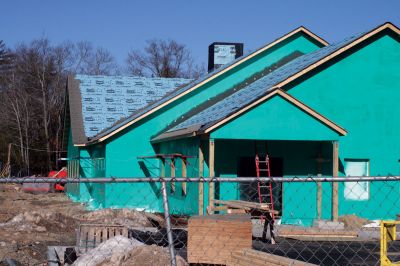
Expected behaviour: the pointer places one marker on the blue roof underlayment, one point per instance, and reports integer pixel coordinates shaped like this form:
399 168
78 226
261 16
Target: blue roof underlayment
105 100
258 88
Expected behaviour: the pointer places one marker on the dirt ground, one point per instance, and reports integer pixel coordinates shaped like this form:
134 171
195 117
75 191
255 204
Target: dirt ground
31 222
24 234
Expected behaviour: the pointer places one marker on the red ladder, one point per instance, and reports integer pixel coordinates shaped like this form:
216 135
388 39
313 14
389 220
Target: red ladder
264 188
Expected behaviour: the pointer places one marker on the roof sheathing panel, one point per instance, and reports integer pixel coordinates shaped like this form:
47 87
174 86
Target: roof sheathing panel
106 100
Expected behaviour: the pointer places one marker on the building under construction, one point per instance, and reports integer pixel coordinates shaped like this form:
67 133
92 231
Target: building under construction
313 107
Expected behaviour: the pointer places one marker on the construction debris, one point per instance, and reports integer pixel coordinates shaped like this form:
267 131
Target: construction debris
126 217
29 223
353 222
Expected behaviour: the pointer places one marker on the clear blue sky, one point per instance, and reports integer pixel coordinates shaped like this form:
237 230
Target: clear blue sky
122 25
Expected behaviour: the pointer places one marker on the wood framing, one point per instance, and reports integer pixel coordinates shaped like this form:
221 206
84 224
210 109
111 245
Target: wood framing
162 167
216 75
201 184
359 40
211 161
172 174
287 97
184 174
335 185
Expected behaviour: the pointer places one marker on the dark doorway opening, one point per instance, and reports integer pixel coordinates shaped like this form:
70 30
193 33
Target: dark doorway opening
249 191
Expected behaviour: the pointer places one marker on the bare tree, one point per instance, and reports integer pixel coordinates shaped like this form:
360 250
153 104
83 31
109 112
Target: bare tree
162 58
89 60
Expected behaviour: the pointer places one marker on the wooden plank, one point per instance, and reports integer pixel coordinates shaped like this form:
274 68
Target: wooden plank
90 238
319 198
212 239
253 257
104 236
219 208
184 174
82 239
172 174
97 236
201 184
211 159
335 185
248 206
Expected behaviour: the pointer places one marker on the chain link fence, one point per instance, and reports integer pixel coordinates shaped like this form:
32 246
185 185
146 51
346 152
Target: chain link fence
199 221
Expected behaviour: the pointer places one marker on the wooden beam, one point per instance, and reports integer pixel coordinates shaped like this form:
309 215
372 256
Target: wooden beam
319 184
211 159
162 167
319 198
172 174
201 184
335 185
184 174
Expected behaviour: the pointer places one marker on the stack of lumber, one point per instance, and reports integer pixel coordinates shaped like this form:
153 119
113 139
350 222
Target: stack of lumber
251 257
231 206
212 239
312 233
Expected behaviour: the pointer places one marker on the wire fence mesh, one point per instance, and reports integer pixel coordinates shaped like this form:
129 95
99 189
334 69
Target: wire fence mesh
200 221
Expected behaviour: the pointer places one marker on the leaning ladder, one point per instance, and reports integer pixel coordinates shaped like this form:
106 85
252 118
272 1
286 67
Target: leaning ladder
264 188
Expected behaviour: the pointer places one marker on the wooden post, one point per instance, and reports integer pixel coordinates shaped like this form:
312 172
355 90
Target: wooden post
319 198
172 174
211 188
201 184
162 167
335 185
184 174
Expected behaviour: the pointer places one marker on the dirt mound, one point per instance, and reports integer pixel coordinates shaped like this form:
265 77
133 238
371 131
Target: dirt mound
353 222
126 217
40 221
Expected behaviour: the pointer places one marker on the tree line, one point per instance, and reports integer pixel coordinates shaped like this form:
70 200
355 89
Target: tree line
33 91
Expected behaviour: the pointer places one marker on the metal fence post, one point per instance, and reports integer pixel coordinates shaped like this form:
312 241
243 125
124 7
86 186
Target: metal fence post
168 223
166 213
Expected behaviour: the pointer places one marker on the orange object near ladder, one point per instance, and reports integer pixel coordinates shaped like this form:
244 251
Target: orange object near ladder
264 188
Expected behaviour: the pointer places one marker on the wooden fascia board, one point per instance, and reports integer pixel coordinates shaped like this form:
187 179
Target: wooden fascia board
80 145
338 52
313 35
248 57
289 98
